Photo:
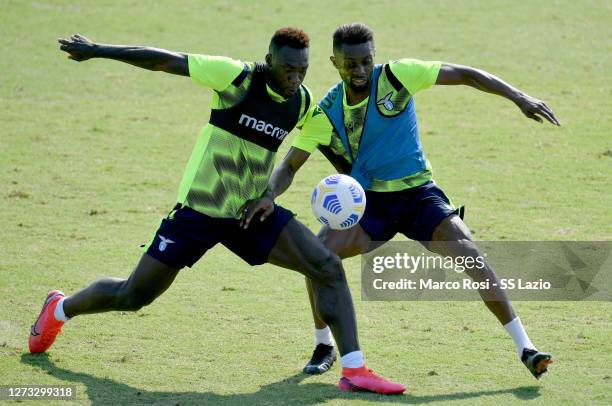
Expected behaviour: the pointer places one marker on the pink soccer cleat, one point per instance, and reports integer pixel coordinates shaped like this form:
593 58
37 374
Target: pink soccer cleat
365 380
46 328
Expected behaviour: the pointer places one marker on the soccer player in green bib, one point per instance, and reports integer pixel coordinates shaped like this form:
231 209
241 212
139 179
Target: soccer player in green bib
254 107
367 127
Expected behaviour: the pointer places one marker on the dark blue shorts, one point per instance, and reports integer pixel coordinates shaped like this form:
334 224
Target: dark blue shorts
414 212
185 235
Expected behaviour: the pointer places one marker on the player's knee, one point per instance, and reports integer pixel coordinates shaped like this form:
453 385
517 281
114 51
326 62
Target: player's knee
464 250
460 230
468 248
133 299
473 260
329 271
333 270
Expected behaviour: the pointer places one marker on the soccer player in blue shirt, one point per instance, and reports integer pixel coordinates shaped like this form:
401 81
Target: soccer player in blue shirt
367 127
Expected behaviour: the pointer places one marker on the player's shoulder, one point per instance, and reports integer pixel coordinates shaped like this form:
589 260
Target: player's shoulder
214 71
215 60
414 73
406 63
412 63
316 129
317 117
407 60
318 111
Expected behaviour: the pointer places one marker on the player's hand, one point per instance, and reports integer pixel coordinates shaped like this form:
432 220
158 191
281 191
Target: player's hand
536 109
263 205
78 47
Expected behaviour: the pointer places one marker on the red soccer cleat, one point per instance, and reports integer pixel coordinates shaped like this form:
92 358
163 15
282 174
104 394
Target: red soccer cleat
46 328
365 380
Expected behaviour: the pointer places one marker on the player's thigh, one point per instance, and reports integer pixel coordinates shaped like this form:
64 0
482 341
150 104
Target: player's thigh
184 236
297 248
452 228
151 277
452 237
346 243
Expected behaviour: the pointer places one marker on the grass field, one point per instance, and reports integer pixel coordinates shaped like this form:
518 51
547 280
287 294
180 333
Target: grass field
91 155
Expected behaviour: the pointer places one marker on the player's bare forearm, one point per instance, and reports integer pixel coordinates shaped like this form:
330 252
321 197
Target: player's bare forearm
279 182
283 174
81 48
451 74
338 162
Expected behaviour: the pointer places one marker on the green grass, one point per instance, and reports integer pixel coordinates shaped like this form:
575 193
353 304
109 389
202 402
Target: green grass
91 155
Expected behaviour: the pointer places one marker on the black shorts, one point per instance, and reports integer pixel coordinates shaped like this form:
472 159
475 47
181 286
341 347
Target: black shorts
185 235
414 212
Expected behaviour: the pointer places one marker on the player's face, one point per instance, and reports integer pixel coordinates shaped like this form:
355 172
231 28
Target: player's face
287 69
355 64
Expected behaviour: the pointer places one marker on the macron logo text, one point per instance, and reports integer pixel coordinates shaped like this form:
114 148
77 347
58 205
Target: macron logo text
262 126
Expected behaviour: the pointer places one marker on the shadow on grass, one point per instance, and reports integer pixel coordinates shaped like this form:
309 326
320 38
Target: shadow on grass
288 391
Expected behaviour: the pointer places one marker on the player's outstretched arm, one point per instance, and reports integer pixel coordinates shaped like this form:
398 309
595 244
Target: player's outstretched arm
279 182
80 48
451 74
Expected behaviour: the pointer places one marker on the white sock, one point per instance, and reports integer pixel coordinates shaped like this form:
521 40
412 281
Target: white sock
324 336
59 311
519 335
353 359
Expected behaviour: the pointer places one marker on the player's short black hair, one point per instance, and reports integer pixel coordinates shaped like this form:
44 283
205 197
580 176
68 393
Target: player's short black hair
353 33
289 36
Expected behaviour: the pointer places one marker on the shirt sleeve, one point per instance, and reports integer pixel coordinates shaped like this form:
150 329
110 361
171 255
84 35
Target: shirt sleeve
416 75
215 72
316 130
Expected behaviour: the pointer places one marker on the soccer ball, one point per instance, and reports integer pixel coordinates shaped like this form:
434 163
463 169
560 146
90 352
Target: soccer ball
338 201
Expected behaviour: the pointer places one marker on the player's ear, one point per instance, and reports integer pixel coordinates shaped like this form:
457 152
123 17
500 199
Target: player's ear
333 61
269 59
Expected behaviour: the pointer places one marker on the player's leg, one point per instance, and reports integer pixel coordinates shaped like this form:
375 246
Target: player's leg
324 354
378 221
452 229
375 227
298 249
429 217
182 238
344 243
149 280
284 241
